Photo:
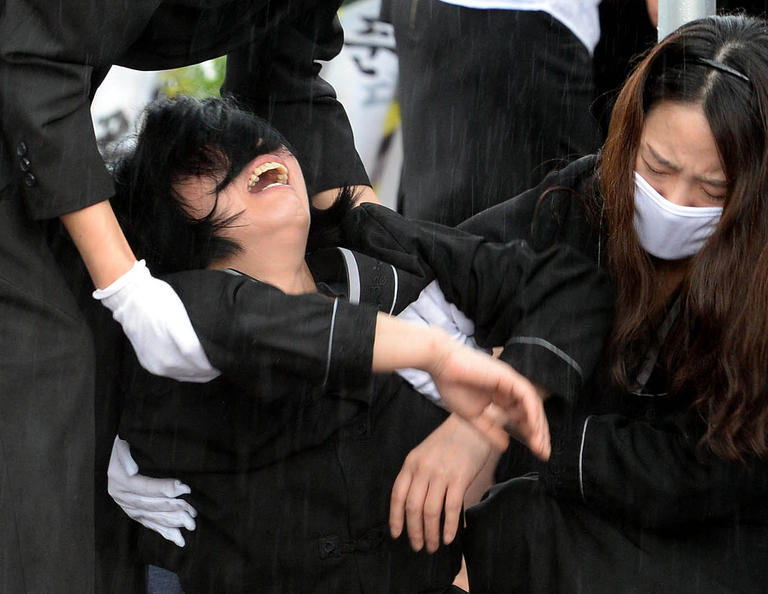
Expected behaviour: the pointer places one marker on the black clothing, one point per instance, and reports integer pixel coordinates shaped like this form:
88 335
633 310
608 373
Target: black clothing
626 32
46 417
52 61
491 101
276 456
290 478
53 56
626 503
559 310
553 545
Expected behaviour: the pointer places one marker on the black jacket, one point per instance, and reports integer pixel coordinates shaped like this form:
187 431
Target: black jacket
273 419
632 457
627 502
53 58
289 476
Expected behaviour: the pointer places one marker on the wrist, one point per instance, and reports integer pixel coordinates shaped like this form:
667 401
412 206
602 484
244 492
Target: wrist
100 242
437 346
133 275
399 345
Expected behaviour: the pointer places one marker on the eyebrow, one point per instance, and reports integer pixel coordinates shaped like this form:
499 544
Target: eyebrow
717 183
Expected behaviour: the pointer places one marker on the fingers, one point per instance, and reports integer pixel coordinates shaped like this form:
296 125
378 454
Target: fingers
175 519
155 504
172 534
524 408
433 509
397 501
157 487
421 502
454 500
535 427
526 420
541 444
414 511
493 432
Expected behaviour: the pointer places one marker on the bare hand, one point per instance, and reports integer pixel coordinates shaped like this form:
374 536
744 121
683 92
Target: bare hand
436 474
469 381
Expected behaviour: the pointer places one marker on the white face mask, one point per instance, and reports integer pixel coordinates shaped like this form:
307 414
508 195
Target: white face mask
667 230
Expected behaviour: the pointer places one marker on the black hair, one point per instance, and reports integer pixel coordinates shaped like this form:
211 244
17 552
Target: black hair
180 138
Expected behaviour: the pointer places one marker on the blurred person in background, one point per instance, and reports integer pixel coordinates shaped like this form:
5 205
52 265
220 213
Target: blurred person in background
493 95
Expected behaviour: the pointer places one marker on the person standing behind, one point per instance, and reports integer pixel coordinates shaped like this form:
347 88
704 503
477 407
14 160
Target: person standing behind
52 60
493 95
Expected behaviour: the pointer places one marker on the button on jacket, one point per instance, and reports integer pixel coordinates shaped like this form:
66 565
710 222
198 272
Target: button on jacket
52 59
53 56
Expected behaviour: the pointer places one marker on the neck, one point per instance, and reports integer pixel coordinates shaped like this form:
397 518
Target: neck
287 272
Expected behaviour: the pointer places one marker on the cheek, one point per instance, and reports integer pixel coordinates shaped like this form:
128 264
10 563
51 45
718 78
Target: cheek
297 177
228 204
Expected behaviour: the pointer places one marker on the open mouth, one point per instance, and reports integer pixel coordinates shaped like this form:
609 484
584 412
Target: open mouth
267 175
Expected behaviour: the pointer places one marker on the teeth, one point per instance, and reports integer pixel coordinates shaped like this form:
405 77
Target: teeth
282 174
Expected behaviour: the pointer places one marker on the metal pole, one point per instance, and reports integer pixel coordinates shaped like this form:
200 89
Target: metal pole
673 13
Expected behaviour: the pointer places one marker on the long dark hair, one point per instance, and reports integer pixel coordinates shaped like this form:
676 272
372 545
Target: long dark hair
718 350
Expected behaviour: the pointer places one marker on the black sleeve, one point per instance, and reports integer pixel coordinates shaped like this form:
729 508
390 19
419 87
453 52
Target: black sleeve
553 212
550 309
278 79
245 326
48 57
651 474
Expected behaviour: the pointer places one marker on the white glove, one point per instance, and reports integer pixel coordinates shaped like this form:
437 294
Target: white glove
155 321
152 502
433 309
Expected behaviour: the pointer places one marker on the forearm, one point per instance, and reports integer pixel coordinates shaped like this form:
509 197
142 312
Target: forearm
399 344
651 474
249 328
100 241
526 299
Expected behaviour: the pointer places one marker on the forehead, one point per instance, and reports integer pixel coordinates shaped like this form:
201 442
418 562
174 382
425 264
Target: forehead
679 133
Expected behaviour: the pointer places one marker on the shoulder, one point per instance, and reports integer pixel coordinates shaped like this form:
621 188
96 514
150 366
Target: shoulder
579 173
364 279
537 214
568 207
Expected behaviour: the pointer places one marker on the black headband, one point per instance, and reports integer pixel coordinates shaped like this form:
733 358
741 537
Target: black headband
722 68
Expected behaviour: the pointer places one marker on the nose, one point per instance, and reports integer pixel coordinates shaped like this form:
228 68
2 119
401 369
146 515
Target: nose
679 192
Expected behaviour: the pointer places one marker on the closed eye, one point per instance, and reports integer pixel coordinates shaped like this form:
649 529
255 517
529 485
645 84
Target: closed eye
653 169
715 197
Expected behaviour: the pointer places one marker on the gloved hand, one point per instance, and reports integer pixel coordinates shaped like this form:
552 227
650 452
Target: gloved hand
155 321
431 308
153 502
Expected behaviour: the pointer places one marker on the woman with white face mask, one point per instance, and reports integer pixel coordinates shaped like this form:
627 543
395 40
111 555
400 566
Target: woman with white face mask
658 478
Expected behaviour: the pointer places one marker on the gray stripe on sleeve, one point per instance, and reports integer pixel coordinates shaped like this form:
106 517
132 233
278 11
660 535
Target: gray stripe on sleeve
353 275
394 294
581 457
330 341
550 347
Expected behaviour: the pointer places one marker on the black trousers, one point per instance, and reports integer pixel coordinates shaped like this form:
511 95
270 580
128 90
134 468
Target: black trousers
46 416
520 539
491 101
